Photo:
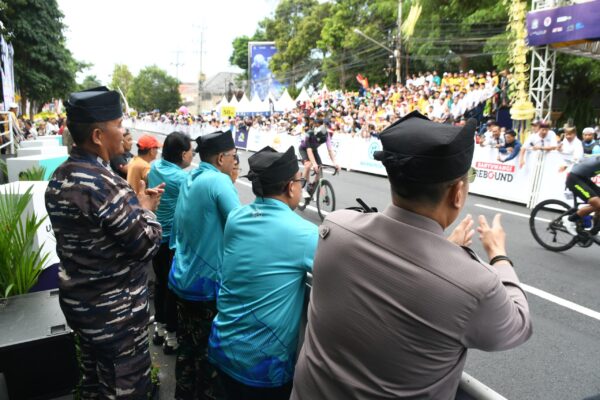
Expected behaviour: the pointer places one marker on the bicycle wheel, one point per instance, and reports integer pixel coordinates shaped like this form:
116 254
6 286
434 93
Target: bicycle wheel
325 199
547 228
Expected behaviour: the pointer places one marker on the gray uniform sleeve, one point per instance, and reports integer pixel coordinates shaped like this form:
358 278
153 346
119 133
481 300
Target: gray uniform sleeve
501 320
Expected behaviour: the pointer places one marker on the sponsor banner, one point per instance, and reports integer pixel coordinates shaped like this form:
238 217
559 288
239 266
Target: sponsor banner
503 180
7 73
241 137
228 111
262 80
564 24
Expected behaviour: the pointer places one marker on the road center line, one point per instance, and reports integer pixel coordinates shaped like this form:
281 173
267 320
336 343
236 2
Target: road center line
509 212
562 302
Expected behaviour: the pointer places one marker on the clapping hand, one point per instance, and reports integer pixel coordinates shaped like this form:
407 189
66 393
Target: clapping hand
150 198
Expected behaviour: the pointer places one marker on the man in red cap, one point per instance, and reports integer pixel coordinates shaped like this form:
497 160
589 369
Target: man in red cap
140 165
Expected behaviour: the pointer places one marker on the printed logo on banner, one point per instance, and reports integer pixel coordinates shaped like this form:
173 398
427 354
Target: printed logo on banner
535 24
373 147
495 171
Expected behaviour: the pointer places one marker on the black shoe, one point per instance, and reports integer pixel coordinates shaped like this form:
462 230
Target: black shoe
157 339
168 350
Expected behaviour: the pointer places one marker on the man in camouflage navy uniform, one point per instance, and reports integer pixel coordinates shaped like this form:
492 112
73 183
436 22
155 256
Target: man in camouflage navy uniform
105 236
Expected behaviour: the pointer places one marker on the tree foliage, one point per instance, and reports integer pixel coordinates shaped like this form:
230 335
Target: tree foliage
153 89
44 67
122 78
89 82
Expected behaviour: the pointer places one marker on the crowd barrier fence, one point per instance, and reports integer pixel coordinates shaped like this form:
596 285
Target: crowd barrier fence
541 177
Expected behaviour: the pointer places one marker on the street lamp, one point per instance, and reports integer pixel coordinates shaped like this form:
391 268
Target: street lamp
395 53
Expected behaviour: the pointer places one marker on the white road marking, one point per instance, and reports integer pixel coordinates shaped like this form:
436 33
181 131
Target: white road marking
562 302
509 212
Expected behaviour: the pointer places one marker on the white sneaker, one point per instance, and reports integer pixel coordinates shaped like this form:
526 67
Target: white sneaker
570 226
305 194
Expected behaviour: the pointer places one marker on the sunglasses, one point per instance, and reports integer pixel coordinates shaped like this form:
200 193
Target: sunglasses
472 174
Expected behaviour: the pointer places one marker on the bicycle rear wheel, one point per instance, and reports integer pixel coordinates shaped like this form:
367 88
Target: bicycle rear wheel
547 228
325 199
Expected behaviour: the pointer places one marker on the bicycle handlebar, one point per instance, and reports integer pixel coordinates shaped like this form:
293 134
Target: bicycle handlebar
335 170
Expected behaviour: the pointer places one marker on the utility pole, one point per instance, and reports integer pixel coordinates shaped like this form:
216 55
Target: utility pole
398 50
201 75
177 64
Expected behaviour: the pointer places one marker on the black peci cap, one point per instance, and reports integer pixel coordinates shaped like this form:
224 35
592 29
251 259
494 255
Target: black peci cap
215 143
424 151
94 105
269 167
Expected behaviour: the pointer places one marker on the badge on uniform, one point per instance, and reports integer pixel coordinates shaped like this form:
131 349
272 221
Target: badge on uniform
323 231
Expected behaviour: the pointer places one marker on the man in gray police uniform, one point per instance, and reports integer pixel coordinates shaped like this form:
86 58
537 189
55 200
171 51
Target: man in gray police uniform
395 304
105 237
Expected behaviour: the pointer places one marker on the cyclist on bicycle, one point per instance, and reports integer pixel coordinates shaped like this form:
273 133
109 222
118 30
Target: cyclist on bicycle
580 183
316 135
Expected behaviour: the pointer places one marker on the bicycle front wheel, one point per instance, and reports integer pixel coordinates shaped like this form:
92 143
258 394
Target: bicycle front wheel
325 199
547 227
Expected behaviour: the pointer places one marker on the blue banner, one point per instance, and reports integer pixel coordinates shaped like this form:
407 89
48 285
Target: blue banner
262 80
241 137
577 22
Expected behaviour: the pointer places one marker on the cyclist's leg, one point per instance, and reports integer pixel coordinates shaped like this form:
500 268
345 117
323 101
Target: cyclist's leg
587 191
319 163
305 162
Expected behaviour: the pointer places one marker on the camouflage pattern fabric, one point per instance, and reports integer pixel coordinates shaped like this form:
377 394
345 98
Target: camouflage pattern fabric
104 240
196 377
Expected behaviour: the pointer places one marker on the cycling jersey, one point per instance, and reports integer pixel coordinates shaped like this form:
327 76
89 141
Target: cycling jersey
588 167
315 138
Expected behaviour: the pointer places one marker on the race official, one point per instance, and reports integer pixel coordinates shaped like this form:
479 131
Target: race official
268 251
395 304
105 238
205 200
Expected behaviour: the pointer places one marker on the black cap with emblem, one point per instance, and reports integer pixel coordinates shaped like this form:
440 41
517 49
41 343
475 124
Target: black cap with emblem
421 150
269 168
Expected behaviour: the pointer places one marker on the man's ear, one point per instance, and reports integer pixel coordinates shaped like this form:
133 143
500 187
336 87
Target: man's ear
456 195
96 136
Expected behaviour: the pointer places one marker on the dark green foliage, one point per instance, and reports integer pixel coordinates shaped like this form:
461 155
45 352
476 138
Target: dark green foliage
153 89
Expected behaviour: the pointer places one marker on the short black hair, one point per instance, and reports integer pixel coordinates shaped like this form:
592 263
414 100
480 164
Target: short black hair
273 189
511 133
143 152
418 192
82 131
175 144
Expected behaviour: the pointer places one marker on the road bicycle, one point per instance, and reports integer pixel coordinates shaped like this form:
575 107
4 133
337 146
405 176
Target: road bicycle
548 230
325 195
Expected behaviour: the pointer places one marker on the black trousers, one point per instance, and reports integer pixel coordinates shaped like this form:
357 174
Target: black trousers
165 305
235 390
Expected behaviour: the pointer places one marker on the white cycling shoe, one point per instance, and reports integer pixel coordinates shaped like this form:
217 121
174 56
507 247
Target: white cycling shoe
570 226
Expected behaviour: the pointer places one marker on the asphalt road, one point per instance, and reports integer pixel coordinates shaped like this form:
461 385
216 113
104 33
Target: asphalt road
562 359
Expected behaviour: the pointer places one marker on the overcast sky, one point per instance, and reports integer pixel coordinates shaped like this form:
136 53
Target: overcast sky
139 33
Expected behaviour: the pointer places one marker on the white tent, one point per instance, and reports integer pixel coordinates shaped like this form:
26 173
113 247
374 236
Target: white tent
243 106
234 101
285 102
258 106
303 96
324 89
222 103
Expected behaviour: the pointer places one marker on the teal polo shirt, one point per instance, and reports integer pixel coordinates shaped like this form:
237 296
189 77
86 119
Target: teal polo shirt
205 200
172 175
268 251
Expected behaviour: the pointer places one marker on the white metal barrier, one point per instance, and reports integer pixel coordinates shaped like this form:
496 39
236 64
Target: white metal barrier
6 131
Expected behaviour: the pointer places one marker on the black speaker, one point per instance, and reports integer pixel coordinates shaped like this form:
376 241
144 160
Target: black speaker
37 349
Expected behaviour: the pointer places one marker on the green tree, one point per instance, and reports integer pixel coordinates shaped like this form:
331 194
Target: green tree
44 67
153 89
349 53
580 77
121 78
89 82
293 48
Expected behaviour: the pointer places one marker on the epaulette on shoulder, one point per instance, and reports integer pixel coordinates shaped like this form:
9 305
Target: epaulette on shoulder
472 254
363 208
